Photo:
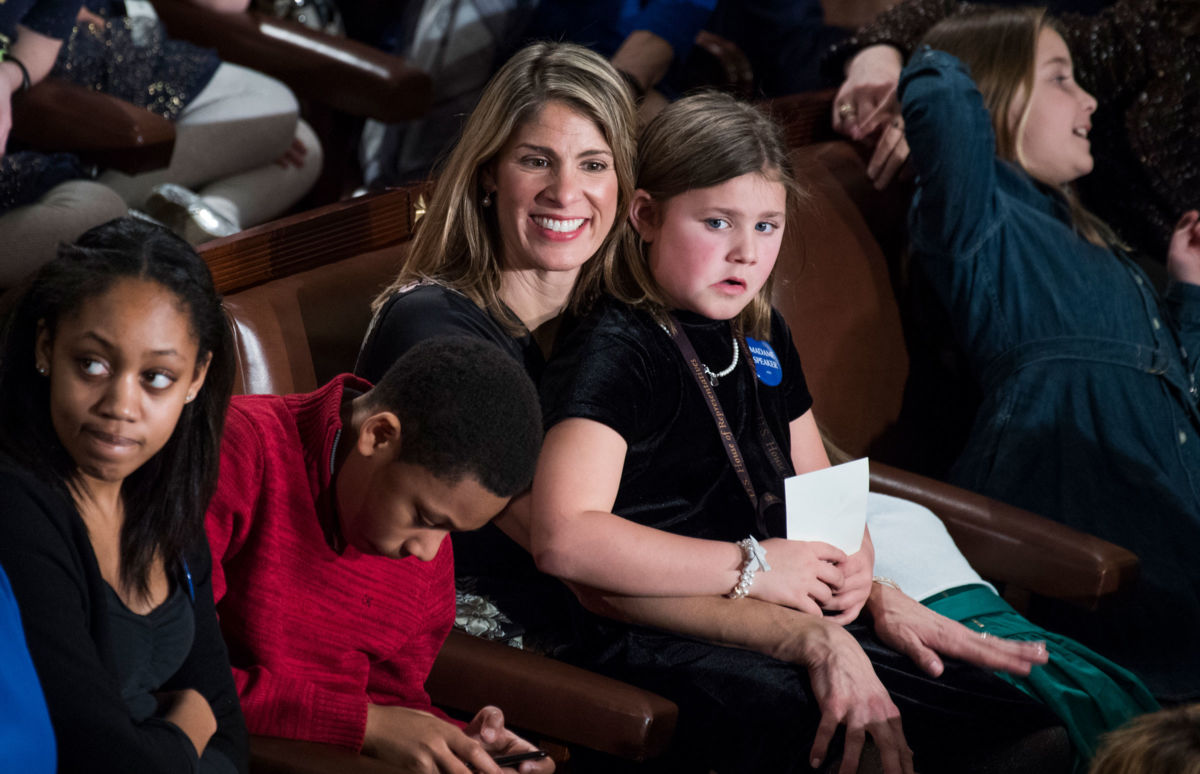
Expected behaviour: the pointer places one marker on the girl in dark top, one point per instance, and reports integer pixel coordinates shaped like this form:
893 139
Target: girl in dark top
114 380
636 493
1090 412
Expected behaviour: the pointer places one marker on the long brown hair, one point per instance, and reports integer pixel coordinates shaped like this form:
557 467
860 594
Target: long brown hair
698 142
999 47
457 244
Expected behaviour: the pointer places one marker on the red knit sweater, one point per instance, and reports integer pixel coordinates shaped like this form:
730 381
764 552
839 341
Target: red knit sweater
313 636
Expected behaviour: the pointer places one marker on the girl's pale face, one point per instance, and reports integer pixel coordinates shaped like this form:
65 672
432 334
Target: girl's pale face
712 249
1054 146
554 188
120 370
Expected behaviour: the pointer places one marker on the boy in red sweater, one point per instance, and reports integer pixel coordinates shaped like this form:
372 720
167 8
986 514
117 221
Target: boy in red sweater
332 568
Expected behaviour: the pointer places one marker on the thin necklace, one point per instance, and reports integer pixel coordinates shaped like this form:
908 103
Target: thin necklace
713 379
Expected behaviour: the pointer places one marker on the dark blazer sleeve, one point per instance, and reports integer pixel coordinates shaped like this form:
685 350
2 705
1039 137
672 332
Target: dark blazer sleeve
207 669
45 550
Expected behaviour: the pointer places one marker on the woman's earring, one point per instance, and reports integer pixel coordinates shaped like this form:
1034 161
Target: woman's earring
42 370
487 199
189 398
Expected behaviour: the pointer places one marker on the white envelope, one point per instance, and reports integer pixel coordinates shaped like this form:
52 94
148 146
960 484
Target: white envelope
829 505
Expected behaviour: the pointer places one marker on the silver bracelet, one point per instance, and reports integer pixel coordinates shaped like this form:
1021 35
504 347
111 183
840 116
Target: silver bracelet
882 581
754 558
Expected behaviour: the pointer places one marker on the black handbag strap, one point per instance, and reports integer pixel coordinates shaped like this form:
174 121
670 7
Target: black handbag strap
732 450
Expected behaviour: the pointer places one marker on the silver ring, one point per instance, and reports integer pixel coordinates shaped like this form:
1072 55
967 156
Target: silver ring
845 110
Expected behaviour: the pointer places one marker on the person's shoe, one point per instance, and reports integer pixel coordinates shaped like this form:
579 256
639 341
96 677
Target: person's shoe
185 213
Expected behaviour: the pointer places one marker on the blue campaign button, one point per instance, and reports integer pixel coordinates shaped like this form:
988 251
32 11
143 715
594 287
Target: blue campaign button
766 362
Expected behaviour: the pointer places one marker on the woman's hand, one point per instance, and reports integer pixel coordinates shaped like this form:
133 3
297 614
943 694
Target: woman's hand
852 594
803 574
419 743
907 626
849 693
488 729
866 108
1183 254
189 710
6 91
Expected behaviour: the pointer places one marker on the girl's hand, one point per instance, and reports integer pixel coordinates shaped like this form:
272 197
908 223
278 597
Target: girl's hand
1183 255
803 574
488 729
852 594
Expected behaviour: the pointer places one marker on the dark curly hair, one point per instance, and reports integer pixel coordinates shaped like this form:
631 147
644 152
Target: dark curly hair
465 408
165 499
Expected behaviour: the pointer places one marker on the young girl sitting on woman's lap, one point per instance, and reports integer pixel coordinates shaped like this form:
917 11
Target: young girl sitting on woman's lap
1089 413
653 397
114 379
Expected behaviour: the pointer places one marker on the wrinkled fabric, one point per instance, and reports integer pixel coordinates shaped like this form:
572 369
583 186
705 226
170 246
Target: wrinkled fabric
132 58
1090 694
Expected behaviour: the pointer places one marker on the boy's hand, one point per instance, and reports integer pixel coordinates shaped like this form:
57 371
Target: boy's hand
1183 255
488 728
907 626
419 743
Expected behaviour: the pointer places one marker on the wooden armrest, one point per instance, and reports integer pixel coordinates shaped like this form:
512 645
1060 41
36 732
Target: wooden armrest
270 755
311 239
344 74
1012 545
56 115
551 698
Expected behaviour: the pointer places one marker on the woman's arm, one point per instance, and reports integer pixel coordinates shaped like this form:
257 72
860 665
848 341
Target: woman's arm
207 669
575 536
37 53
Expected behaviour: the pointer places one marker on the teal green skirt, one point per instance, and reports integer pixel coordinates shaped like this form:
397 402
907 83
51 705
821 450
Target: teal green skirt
1089 693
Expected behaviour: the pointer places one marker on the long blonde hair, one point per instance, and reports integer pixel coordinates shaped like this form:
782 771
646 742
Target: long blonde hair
457 244
698 142
999 47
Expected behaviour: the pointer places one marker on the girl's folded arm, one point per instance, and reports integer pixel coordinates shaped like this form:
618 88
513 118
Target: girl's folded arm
953 151
575 535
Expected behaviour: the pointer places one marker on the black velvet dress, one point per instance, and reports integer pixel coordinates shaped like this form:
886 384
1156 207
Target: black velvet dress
740 711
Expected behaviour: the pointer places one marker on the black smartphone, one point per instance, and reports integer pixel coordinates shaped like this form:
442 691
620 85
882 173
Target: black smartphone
512 760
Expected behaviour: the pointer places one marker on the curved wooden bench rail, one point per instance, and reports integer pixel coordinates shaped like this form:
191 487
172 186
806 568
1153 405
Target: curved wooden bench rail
1015 547
56 115
310 239
344 74
554 699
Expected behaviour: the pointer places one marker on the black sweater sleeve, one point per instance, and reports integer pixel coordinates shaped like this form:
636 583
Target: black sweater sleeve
45 550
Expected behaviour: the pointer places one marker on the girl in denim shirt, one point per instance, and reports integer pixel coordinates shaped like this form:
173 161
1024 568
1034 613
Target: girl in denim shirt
1089 378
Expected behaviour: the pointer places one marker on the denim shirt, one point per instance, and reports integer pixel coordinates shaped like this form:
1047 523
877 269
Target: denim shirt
1090 413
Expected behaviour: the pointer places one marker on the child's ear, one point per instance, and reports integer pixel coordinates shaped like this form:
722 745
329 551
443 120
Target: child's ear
379 432
644 215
